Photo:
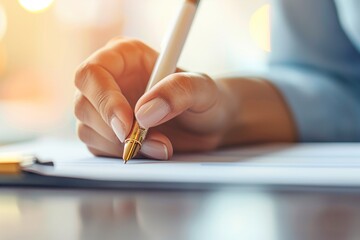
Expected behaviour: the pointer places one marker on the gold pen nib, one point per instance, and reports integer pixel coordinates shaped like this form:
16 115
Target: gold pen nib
133 142
131 148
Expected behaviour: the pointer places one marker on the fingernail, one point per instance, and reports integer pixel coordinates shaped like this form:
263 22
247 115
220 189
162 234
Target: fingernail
152 112
155 149
118 128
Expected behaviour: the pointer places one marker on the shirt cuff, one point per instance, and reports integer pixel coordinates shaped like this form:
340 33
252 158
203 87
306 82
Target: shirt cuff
322 106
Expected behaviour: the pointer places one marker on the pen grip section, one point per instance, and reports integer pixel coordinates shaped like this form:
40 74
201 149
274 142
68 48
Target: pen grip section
137 134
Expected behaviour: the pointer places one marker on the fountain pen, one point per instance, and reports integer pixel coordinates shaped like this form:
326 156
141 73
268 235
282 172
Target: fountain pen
165 65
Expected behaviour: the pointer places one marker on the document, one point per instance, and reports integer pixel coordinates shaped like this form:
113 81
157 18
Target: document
323 164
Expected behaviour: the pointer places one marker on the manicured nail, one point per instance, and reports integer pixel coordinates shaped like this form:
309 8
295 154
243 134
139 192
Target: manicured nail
152 112
155 149
118 128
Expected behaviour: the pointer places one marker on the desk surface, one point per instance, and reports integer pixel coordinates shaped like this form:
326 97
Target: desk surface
227 213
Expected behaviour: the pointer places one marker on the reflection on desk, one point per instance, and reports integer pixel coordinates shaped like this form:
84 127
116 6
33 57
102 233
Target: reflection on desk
244 213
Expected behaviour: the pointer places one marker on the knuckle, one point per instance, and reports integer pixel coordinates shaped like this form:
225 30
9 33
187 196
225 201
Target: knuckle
115 40
210 85
136 42
204 76
182 84
128 45
205 80
209 81
189 90
104 104
83 74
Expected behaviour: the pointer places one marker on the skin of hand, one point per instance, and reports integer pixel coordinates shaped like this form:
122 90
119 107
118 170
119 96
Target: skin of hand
185 111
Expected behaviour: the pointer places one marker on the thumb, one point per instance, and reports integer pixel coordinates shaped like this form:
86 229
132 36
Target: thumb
175 94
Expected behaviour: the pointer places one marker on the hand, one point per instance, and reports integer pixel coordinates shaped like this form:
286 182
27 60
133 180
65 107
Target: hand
185 111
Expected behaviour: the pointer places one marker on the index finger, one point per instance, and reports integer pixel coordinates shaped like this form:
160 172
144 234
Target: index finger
125 57
100 88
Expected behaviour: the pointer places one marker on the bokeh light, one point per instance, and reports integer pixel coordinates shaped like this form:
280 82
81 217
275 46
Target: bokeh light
91 12
35 5
3 22
260 27
30 99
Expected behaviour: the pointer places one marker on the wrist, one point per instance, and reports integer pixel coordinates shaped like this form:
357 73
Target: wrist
228 108
256 113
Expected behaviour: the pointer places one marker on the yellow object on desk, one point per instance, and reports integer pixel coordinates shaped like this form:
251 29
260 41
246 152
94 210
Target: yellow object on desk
10 164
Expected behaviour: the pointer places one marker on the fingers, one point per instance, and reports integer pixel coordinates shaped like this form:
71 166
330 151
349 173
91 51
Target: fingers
174 95
121 64
113 79
87 114
97 144
129 62
124 57
156 146
99 87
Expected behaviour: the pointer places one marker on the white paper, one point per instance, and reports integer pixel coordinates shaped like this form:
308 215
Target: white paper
335 164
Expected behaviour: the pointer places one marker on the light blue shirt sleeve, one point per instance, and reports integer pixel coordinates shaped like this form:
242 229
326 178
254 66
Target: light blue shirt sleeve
315 63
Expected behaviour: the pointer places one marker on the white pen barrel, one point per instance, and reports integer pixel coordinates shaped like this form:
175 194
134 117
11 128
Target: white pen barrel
174 42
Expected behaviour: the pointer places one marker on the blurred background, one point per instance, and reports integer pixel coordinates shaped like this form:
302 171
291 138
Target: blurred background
43 41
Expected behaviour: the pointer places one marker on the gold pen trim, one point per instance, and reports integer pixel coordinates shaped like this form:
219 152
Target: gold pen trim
134 141
137 133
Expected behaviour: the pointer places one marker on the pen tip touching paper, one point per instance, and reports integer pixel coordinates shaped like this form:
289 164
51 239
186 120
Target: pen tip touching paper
131 148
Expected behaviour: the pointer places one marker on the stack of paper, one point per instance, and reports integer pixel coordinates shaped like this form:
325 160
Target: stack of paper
332 164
